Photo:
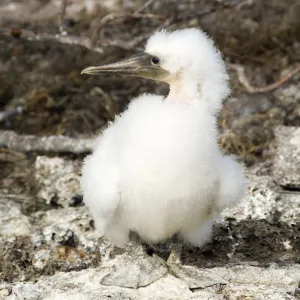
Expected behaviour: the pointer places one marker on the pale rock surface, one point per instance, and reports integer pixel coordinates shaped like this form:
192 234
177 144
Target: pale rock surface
245 281
133 269
196 278
264 200
57 179
258 203
288 207
64 239
286 168
12 221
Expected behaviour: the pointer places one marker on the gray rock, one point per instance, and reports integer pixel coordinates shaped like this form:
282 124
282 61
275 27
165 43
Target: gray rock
55 143
57 180
286 168
248 104
259 201
12 221
264 200
256 292
289 94
134 269
288 207
64 240
196 278
245 283
5 290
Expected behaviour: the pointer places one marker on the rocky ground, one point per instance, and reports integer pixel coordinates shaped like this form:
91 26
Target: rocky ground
48 246
254 253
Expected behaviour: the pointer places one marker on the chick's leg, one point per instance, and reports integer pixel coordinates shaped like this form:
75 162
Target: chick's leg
175 254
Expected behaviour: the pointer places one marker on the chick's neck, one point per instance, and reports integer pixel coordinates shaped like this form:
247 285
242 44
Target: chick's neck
183 90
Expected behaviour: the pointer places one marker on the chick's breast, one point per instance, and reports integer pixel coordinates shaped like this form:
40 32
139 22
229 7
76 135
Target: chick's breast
167 155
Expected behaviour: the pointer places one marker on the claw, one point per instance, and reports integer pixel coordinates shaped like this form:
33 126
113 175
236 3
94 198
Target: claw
175 254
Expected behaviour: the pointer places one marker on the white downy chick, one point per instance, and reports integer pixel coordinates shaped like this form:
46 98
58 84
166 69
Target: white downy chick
157 169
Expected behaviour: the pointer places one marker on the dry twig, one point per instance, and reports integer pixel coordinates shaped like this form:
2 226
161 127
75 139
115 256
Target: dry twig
127 45
113 16
32 36
61 17
99 24
74 40
199 14
25 143
144 6
268 88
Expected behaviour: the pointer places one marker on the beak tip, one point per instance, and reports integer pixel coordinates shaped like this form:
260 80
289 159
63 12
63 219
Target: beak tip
85 71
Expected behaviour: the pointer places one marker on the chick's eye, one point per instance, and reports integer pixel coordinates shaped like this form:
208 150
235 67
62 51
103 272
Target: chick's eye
155 60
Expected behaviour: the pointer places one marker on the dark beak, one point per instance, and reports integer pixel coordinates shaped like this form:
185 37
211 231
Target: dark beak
138 65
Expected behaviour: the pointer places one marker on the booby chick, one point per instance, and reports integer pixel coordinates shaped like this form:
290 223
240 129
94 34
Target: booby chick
157 169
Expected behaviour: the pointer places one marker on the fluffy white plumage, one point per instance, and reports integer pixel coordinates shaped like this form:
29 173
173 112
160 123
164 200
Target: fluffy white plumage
158 170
